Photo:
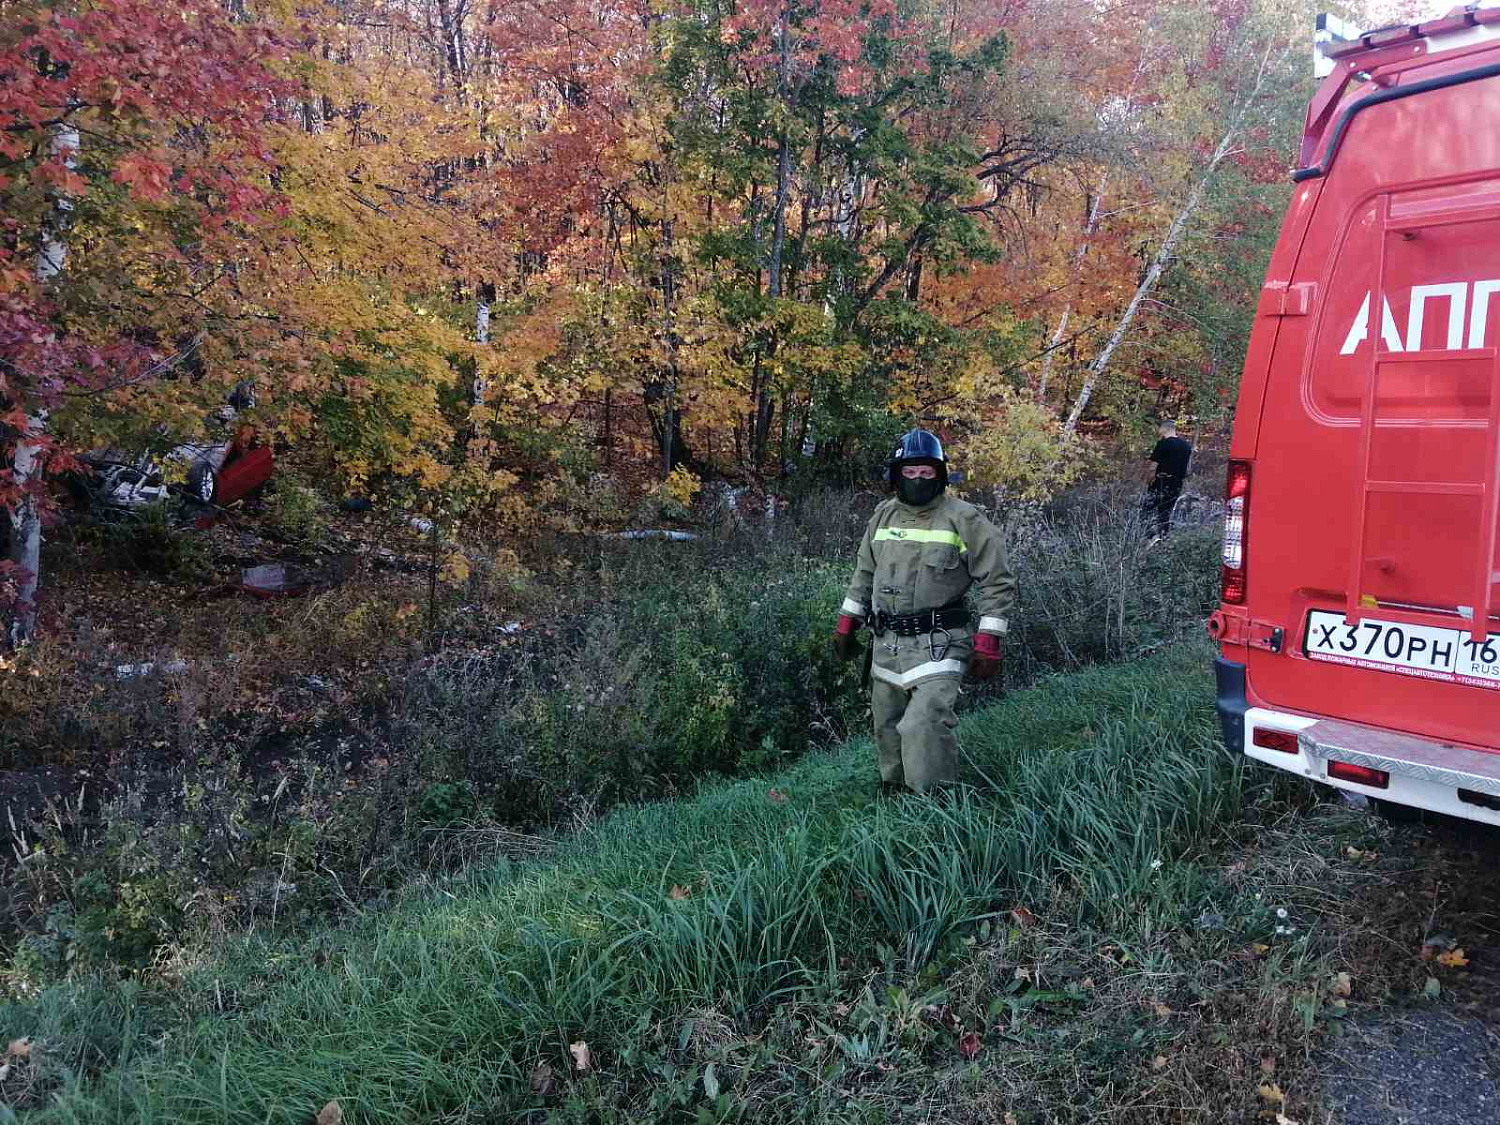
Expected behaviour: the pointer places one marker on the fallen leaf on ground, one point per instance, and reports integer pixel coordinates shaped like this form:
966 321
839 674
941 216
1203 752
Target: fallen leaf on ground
1161 1010
678 892
1283 1119
1436 944
1260 949
1159 1062
542 1080
1268 1064
1022 917
776 796
1010 1118
1453 959
582 1058
331 1114
1342 984
968 1044
18 1049
1271 1094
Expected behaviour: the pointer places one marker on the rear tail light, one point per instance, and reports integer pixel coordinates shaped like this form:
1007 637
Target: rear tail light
1236 517
1280 740
1361 775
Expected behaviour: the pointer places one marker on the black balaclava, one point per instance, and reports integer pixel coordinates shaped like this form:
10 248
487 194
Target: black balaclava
919 491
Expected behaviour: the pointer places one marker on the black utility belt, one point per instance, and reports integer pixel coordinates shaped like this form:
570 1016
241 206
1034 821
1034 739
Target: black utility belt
915 624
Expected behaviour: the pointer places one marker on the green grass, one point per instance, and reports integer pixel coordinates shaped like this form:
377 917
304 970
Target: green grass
442 1008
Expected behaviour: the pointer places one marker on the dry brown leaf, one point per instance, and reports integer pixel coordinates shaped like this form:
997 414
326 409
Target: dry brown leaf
1271 1094
1260 949
1010 1118
1159 1062
968 1044
331 1114
678 892
1268 1065
1022 917
582 1058
1342 984
1161 1009
1453 959
542 1080
19 1049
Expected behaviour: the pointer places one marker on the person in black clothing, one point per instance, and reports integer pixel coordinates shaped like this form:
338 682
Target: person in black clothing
1170 465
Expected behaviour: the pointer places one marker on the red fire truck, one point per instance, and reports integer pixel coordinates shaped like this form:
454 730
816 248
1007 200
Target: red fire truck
1359 628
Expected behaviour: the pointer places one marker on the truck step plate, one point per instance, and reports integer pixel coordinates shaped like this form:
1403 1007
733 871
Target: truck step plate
1411 650
1402 754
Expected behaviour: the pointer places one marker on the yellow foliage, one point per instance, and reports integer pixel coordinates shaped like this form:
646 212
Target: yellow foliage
1021 450
455 569
680 487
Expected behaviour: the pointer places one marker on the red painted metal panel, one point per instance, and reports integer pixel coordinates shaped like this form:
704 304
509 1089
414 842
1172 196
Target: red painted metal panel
243 475
1373 419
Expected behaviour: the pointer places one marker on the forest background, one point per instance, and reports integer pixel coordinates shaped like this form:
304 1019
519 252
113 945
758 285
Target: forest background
511 278
518 265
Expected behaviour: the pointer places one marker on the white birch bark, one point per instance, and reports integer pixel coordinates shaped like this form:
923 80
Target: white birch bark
1089 227
481 387
1164 252
26 460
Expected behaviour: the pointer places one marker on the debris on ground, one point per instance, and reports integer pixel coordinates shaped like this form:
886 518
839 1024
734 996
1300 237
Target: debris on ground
272 580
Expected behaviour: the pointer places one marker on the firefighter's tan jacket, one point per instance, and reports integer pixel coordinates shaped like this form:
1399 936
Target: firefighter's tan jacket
912 560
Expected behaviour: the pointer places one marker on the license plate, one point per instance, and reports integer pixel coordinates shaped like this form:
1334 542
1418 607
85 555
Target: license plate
1412 650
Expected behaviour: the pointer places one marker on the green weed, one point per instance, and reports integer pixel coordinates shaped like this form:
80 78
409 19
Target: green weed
753 896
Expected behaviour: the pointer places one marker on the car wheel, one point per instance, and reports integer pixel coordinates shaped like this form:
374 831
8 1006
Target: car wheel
201 482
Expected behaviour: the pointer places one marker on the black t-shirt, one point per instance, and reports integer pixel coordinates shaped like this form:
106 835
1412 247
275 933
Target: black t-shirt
1171 456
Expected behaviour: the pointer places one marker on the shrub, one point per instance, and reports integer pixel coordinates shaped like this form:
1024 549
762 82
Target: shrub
292 506
670 677
147 540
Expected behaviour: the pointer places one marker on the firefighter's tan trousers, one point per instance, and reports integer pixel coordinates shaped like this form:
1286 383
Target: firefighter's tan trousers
914 732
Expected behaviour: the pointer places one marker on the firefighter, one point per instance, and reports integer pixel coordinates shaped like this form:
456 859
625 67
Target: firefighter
921 553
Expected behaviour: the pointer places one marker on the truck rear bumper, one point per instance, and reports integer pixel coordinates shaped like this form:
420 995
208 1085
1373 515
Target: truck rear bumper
1423 773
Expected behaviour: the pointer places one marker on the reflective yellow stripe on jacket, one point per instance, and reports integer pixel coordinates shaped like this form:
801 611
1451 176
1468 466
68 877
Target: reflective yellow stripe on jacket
921 535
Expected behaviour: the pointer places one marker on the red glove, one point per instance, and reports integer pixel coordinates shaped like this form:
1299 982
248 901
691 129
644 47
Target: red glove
985 663
845 644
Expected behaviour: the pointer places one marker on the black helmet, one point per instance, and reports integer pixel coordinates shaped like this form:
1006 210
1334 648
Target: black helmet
917 445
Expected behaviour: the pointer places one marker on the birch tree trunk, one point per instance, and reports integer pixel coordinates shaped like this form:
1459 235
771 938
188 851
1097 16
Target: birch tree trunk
26 461
480 389
1164 252
1091 224
764 405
